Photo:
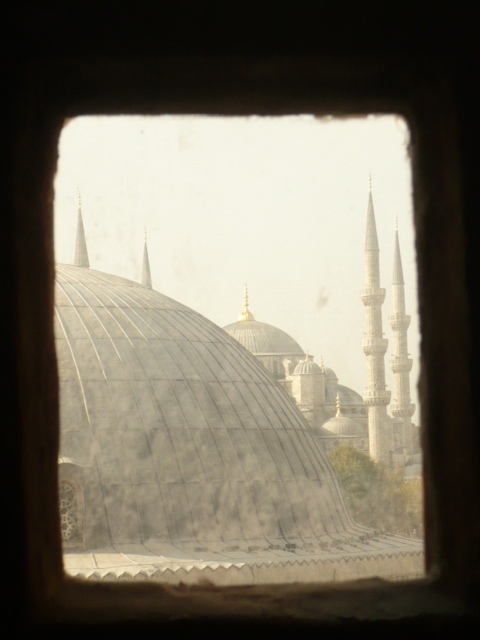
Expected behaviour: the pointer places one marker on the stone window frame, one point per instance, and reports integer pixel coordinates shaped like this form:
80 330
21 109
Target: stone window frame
241 87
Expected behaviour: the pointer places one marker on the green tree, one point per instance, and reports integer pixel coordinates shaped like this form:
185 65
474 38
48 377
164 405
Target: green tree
378 497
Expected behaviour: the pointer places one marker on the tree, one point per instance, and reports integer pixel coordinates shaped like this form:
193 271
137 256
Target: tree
378 497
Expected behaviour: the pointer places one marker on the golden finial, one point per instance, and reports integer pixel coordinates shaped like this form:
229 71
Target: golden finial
145 235
322 365
396 223
79 199
339 407
245 315
370 181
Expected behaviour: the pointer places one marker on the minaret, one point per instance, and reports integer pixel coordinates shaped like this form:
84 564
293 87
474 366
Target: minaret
400 363
81 253
338 404
146 275
376 396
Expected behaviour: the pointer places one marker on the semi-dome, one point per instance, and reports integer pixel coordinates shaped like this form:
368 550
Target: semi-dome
331 378
413 467
348 397
340 425
343 426
173 431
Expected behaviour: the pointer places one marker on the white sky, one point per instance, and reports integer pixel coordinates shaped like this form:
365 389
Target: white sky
279 203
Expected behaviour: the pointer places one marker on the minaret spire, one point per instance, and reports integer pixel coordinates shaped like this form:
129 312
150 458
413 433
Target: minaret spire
376 396
338 404
371 238
400 363
81 253
146 274
397 261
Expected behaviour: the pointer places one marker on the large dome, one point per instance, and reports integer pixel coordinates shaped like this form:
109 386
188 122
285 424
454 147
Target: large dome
263 339
173 431
181 457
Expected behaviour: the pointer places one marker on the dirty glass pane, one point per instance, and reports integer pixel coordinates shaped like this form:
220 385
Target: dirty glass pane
237 338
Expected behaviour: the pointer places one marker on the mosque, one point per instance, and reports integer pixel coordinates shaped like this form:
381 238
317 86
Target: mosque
337 414
193 452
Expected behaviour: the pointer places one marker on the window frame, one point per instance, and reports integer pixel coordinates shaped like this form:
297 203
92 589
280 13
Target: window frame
44 96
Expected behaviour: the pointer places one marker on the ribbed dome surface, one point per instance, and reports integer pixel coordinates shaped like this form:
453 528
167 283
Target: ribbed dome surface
262 339
348 396
181 434
331 377
343 426
307 368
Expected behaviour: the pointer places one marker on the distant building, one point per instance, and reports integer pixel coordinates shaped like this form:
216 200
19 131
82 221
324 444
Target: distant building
338 414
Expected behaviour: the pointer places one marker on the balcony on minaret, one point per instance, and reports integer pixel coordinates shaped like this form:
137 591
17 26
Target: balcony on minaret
376 397
401 364
400 410
375 346
372 297
399 321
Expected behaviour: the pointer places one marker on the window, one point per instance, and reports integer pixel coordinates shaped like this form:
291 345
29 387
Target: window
447 331
143 388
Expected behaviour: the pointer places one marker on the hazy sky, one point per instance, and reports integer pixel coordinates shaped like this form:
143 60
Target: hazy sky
277 203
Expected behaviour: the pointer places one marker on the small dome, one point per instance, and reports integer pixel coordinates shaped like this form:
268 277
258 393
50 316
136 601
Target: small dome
307 367
413 467
321 432
343 427
331 377
411 471
416 458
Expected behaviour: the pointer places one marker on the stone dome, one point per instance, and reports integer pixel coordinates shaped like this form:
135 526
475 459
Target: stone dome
343 426
413 468
263 339
173 432
331 377
307 368
348 397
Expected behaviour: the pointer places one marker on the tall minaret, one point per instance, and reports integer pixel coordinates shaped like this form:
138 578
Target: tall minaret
400 363
81 253
376 396
146 275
